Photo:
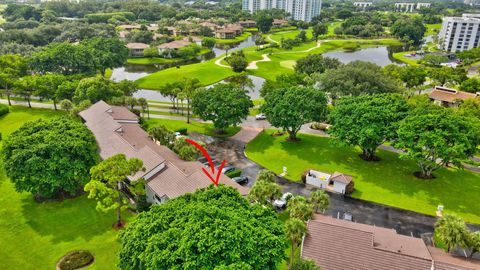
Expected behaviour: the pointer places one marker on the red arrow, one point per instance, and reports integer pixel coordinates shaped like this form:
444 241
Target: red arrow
206 155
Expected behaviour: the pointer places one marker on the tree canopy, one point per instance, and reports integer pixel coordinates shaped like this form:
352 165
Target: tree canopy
222 104
357 78
367 121
290 108
436 136
50 157
213 228
316 63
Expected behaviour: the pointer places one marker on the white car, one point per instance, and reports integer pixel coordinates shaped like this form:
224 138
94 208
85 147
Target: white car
178 135
282 202
260 116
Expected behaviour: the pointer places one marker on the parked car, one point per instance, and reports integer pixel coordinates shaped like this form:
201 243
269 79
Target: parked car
178 135
240 180
282 202
228 168
260 116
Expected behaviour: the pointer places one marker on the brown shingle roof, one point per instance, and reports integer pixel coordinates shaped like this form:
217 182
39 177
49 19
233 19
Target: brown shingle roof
115 133
342 178
445 261
449 95
137 46
342 245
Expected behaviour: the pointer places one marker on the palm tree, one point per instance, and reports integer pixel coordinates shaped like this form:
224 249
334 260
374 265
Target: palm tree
264 192
320 200
452 231
190 88
299 207
266 175
144 105
474 242
295 229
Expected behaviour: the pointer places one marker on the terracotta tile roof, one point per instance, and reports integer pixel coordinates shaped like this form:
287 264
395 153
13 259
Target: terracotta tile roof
341 245
445 261
176 44
449 95
228 30
342 178
137 46
116 132
247 21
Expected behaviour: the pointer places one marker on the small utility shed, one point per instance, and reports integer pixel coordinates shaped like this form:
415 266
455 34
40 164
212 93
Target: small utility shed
340 182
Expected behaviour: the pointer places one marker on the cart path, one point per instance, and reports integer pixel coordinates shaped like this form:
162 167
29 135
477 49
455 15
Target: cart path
253 64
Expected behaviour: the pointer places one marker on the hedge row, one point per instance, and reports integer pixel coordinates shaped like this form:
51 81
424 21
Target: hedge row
3 109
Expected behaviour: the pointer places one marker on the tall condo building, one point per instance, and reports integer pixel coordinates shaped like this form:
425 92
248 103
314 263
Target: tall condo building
302 10
460 33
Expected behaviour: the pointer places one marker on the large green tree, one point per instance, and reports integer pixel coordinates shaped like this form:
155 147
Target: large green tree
222 104
409 29
50 157
95 89
367 121
107 53
65 58
11 68
213 228
316 63
108 181
434 137
290 108
357 78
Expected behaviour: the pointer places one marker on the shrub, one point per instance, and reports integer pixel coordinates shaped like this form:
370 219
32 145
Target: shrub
75 260
4 109
350 188
234 173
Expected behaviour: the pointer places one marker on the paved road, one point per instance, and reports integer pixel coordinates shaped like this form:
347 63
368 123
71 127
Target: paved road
403 221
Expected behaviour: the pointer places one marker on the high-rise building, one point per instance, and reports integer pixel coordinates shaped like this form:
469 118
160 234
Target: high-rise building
303 10
460 33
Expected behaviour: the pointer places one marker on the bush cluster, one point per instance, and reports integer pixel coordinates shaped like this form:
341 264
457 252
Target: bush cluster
3 109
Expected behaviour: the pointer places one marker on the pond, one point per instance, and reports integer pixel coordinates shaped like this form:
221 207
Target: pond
134 72
155 95
381 55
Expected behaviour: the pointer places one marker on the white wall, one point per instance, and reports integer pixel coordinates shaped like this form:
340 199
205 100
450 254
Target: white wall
339 187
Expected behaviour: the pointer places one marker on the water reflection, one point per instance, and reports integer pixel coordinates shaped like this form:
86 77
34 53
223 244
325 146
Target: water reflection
135 72
381 56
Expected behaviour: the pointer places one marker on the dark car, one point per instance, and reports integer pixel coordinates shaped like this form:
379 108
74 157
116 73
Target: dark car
240 179
227 169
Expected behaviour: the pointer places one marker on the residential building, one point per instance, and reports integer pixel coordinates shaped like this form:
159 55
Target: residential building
362 5
137 49
460 33
447 97
117 131
335 244
410 7
172 46
248 23
229 31
277 23
303 10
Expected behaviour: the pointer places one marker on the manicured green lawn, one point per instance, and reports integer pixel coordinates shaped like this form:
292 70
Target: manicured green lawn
407 60
207 72
432 29
204 128
35 235
281 61
389 181
242 37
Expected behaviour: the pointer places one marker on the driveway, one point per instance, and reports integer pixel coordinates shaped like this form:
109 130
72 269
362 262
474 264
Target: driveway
403 221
